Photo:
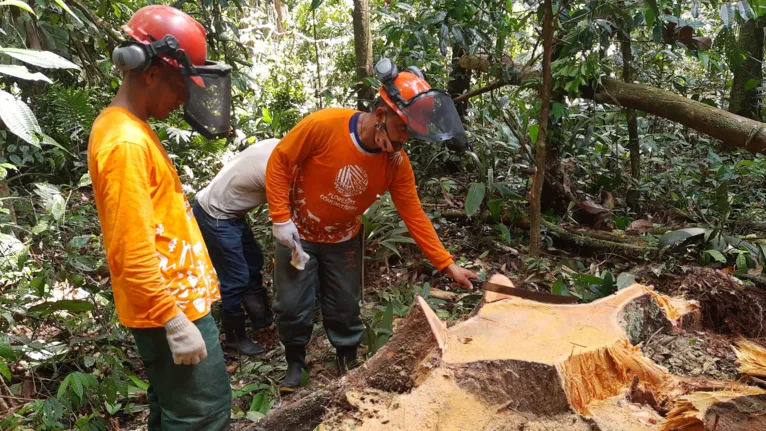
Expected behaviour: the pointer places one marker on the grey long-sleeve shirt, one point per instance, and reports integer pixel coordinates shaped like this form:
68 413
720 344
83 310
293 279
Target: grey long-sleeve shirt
241 184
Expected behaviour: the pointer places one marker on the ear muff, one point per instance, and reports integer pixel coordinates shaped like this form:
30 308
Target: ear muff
132 56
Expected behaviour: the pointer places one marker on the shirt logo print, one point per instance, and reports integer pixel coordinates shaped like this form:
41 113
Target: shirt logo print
351 181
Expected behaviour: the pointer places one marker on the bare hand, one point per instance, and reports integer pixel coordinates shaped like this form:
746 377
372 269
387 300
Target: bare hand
461 275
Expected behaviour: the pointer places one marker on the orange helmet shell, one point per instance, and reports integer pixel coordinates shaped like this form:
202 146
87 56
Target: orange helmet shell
152 23
409 85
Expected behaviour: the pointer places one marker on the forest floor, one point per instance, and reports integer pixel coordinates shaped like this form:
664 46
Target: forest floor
730 308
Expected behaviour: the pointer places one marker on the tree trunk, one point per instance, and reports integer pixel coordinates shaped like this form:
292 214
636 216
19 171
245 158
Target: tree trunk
280 16
576 368
363 52
731 129
535 242
633 198
748 76
460 81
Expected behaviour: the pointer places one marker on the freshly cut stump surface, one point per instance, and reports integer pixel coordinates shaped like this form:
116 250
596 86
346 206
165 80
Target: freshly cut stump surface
521 364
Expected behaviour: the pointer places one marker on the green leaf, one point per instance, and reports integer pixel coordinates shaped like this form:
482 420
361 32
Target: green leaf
5 371
315 4
304 377
69 11
741 262
388 318
18 118
676 236
657 33
751 84
653 7
64 386
7 352
79 241
717 255
72 305
260 403
22 72
474 198
47 140
459 9
19 4
649 16
625 279
558 110
77 385
534 130
44 59
560 288
52 412
38 285
140 384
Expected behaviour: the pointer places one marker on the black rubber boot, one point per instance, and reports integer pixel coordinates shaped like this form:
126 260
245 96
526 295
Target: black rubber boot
346 357
236 337
296 362
257 307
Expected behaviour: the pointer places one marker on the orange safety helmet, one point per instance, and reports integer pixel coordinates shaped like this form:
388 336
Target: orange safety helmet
430 114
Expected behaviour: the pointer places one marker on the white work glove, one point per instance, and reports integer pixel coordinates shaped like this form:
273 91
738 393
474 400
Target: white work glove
185 341
300 257
286 233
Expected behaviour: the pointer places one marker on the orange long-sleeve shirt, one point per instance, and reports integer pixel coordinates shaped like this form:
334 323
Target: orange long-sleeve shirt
323 179
157 258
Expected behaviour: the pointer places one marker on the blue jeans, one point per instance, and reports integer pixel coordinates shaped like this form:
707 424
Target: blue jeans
236 257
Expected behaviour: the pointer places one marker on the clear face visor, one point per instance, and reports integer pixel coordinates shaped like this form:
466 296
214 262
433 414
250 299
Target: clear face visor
208 109
432 117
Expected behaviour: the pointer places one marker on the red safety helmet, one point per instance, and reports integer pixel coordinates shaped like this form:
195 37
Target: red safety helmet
152 23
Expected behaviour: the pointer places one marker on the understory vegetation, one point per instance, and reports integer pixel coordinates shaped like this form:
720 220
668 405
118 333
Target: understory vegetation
629 195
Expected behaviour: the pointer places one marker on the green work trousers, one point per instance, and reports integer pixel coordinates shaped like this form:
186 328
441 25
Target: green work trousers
335 272
185 397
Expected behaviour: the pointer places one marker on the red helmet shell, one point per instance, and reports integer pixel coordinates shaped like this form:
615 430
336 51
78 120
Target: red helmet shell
152 23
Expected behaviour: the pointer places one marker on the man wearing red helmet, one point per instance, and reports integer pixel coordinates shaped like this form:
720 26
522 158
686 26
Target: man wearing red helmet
162 279
321 178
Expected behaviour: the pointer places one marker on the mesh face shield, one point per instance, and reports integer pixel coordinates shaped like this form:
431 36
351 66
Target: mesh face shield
432 117
208 108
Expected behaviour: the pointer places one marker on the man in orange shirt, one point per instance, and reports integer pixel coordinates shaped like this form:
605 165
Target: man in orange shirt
162 279
320 178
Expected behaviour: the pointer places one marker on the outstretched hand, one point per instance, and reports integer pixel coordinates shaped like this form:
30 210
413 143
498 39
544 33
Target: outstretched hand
461 275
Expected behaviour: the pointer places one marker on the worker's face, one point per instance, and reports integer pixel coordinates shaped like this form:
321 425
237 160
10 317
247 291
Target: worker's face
390 130
167 88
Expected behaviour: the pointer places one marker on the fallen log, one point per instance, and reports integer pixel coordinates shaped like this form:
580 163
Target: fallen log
730 128
515 364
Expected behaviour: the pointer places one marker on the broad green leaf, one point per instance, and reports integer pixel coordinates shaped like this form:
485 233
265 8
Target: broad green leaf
5 371
304 377
557 110
77 385
44 59
534 130
140 384
82 263
47 140
7 352
457 32
588 279
695 8
459 9
22 72
52 412
18 118
315 4
84 180
676 236
64 386
649 15
741 262
560 288
474 198
79 241
58 207
751 84
388 319
19 4
505 233
73 305
653 7
625 279
38 285
717 255
69 11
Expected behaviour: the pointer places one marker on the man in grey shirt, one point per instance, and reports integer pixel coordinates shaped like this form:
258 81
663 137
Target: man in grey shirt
221 211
